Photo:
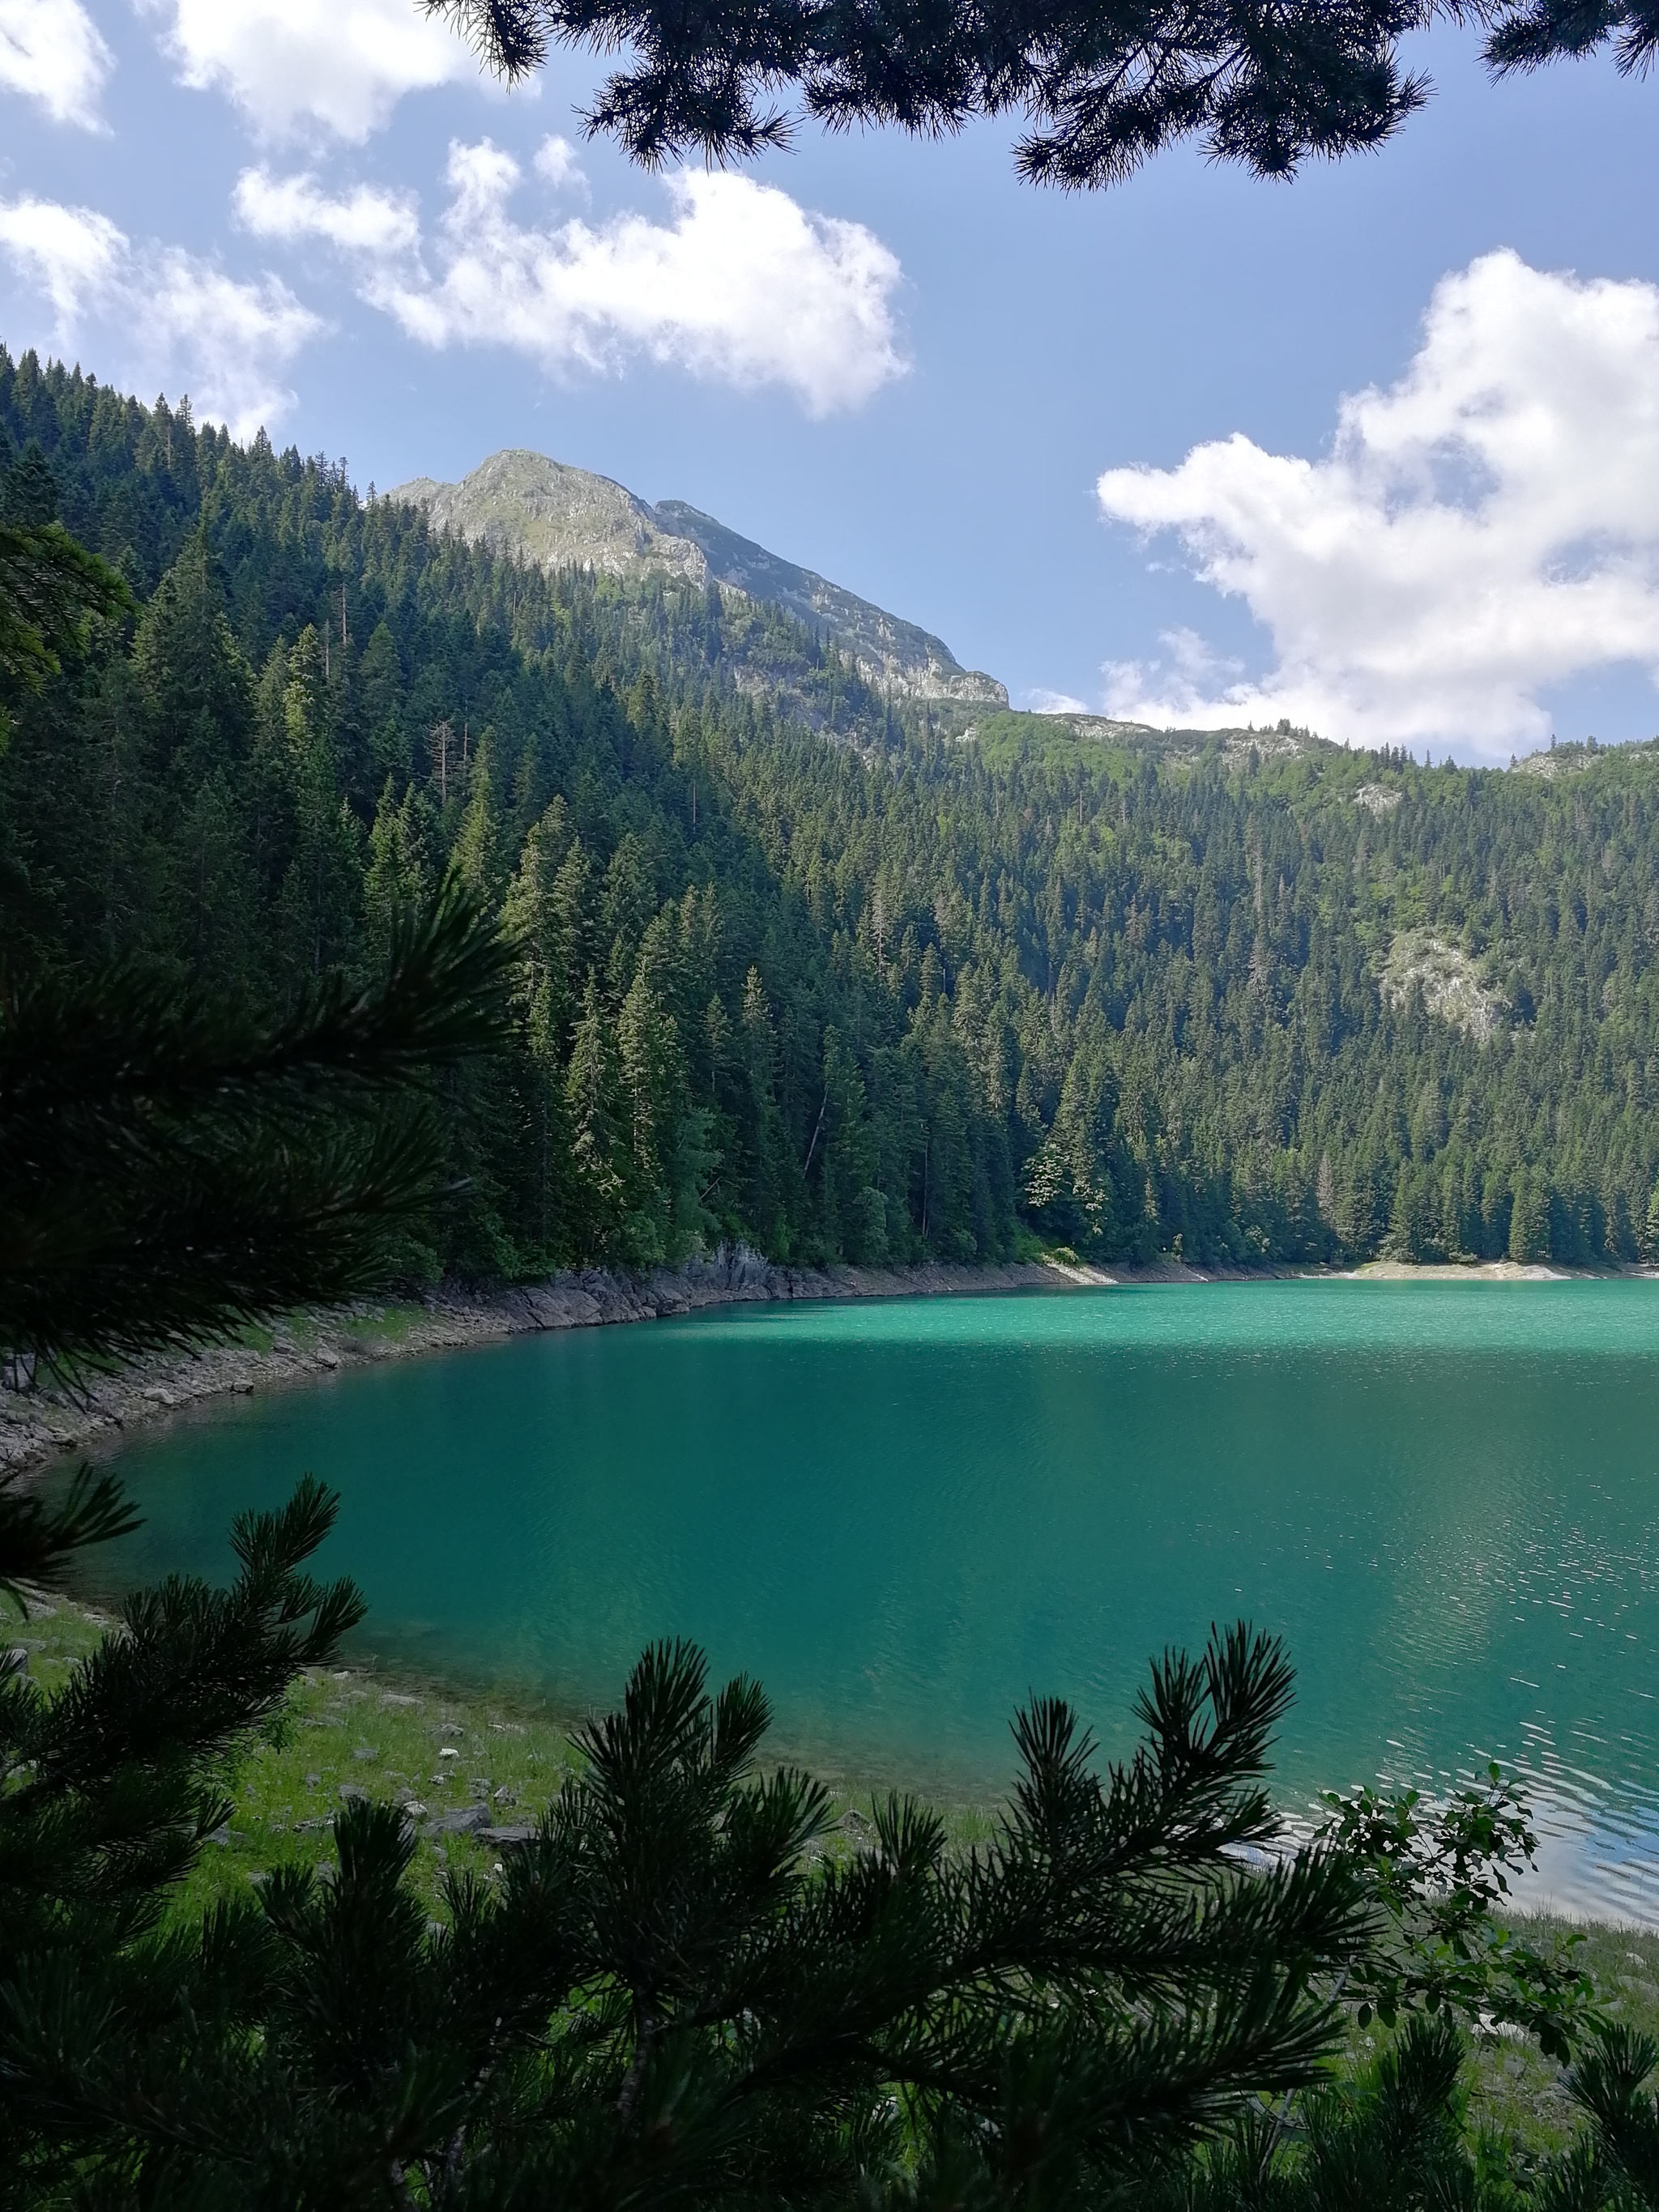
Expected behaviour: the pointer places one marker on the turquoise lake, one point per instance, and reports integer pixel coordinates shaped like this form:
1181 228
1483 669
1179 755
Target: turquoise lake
907 1516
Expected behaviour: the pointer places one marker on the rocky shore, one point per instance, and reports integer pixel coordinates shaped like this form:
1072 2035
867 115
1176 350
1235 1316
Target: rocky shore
36 1423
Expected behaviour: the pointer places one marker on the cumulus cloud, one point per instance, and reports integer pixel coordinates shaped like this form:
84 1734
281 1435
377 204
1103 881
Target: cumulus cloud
70 254
381 224
313 68
164 313
743 285
51 53
1482 529
555 163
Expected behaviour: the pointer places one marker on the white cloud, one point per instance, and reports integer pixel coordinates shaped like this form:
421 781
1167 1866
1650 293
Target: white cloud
1486 528
50 51
1044 701
165 314
556 164
68 253
309 68
1188 681
382 224
744 285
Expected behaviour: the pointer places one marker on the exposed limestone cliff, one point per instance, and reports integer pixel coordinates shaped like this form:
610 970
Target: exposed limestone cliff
558 517
541 510
1454 990
893 655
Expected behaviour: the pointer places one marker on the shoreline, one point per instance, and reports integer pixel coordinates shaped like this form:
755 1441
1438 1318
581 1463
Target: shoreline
37 1426
367 1730
525 1740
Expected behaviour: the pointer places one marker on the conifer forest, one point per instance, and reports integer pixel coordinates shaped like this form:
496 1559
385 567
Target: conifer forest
837 974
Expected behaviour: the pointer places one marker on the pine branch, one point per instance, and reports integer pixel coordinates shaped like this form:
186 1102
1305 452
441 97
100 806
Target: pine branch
39 1540
171 1168
1105 87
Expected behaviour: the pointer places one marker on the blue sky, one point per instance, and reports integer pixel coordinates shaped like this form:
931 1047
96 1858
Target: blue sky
1099 445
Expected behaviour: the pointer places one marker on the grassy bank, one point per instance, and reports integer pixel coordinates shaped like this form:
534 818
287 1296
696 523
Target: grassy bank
442 1752
438 1750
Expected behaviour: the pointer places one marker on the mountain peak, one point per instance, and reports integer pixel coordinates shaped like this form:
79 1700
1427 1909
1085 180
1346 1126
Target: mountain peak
561 517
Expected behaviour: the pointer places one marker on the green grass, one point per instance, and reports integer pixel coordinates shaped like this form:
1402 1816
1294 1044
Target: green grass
357 1728
1517 2091
300 1330
349 1728
384 1324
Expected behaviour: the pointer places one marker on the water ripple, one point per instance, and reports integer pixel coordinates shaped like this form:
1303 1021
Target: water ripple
907 1516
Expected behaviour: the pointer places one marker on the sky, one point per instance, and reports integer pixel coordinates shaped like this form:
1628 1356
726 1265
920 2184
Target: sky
1377 449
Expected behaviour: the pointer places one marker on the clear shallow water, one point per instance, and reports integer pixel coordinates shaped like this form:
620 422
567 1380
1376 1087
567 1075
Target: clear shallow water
905 1516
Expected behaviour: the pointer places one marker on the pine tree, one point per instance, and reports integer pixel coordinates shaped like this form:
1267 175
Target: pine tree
397 876
51 589
321 897
1530 1239
672 1992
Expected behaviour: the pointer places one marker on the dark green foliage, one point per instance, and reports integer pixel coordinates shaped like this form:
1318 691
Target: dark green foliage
171 1165
884 998
38 1539
684 1987
1608 2081
1104 86
51 588
670 1994
1437 1877
1390 2139
1526 36
107 1791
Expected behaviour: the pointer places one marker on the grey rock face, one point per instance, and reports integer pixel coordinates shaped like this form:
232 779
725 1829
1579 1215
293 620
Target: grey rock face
521 503
892 654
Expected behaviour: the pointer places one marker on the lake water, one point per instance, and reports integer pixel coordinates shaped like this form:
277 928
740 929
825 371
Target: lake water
905 1516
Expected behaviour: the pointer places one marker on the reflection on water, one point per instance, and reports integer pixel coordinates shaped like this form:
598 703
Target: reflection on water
906 1517
1583 1743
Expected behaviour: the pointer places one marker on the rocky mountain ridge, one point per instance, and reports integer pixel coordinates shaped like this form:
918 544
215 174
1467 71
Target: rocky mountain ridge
542 510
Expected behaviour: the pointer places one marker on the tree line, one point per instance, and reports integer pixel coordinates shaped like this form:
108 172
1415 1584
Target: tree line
801 965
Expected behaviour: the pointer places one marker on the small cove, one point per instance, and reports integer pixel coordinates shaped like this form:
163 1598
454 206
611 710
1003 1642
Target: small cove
907 1516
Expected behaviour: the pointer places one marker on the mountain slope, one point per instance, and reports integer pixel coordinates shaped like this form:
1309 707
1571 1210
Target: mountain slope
1236 997
893 655
524 504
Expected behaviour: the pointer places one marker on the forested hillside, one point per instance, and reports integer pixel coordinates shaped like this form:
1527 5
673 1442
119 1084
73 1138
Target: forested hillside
828 979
